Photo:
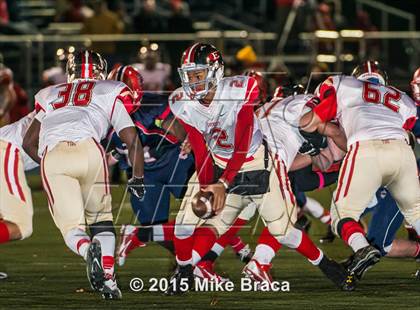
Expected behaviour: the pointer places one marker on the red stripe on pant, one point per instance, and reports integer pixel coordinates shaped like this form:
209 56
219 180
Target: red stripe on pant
6 168
342 174
45 183
353 161
278 172
16 175
107 190
292 196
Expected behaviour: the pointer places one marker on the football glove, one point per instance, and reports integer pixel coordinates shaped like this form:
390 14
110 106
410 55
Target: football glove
136 187
307 148
316 139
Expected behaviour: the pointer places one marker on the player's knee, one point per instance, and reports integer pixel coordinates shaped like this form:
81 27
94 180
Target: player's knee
25 229
292 239
183 231
100 227
248 212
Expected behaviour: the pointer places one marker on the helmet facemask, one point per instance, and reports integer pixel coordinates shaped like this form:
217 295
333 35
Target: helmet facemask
199 89
415 88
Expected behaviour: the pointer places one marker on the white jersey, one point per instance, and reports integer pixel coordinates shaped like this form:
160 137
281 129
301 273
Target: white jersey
54 75
280 125
217 122
156 79
14 134
368 111
80 110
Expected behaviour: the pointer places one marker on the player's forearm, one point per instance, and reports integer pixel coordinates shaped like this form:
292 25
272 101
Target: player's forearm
309 122
172 126
300 161
31 140
135 150
334 132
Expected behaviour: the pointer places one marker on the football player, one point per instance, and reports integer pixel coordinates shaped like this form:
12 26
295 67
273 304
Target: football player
15 196
166 168
218 116
375 118
72 119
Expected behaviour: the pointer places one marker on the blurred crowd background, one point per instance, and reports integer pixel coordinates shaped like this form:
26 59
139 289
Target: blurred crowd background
295 40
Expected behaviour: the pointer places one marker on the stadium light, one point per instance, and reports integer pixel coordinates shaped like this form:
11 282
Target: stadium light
347 33
326 58
347 57
326 34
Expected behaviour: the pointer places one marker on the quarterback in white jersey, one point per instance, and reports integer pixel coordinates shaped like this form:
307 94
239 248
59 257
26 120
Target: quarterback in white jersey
15 196
374 118
72 120
231 163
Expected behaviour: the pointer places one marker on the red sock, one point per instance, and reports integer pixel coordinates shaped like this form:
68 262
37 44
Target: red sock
183 248
108 264
350 228
236 243
307 248
204 238
168 230
268 239
326 217
225 239
4 233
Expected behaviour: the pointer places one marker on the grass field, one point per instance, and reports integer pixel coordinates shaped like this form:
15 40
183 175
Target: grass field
43 274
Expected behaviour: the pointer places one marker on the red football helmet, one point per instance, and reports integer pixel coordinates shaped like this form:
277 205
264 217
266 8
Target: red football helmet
199 57
415 86
133 79
371 71
261 82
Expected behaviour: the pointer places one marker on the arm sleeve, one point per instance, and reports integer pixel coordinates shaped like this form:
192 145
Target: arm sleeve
120 118
203 159
327 109
243 133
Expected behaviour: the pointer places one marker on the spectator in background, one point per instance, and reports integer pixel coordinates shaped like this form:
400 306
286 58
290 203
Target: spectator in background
57 74
148 20
74 12
13 99
103 22
179 22
155 73
246 59
4 13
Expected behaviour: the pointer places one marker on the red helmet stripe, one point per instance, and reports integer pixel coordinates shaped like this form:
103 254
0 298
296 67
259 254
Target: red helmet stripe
90 65
83 65
189 54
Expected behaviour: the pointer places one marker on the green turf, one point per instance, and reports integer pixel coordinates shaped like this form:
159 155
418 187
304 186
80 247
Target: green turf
43 273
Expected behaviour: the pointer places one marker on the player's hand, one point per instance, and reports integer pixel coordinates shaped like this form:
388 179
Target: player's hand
113 157
219 196
136 187
308 148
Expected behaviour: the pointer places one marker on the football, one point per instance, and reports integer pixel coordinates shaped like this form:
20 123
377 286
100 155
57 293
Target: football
202 205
